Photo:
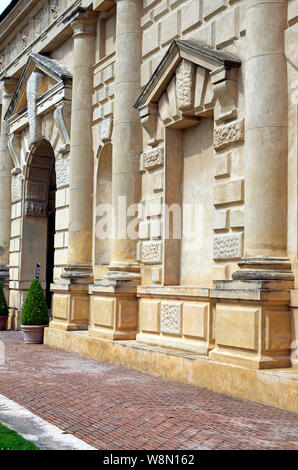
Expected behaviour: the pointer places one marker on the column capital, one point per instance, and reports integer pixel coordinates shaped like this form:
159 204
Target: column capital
82 21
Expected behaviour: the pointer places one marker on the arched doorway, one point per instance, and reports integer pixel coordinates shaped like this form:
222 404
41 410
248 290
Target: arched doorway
38 244
103 204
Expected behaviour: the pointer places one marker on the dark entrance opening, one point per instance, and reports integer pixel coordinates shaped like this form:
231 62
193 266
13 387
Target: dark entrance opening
51 236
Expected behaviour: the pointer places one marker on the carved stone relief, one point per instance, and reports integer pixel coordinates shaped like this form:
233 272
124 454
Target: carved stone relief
62 170
152 158
36 190
151 252
106 130
185 85
35 209
170 318
228 134
228 246
16 187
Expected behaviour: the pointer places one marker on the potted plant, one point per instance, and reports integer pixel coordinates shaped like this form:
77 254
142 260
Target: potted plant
35 315
3 310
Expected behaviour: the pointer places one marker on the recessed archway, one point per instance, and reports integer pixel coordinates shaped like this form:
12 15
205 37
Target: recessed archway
39 217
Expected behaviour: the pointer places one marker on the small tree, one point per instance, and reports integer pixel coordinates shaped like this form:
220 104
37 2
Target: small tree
35 310
3 304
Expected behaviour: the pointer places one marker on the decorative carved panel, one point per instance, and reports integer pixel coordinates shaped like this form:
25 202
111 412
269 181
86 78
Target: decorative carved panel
171 318
228 134
228 246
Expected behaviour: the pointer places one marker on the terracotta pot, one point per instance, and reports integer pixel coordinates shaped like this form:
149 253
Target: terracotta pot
3 322
33 334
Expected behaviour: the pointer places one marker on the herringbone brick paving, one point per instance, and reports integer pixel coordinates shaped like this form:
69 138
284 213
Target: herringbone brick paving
113 407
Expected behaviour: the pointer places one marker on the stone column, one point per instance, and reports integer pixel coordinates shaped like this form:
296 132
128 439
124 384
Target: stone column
114 305
266 138
81 161
6 165
71 297
127 134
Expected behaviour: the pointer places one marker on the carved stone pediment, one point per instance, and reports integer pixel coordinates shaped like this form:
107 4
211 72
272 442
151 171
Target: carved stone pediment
191 80
39 77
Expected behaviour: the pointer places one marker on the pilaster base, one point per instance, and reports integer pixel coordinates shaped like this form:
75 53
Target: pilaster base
114 307
71 301
253 324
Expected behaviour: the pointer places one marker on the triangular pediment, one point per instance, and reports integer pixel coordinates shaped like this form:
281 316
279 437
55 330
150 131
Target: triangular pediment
52 74
194 52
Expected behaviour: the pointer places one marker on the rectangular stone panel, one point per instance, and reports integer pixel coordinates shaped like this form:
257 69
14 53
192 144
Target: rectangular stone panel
60 306
237 326
195 317
149 315
102 311
277 330
128 311
227 193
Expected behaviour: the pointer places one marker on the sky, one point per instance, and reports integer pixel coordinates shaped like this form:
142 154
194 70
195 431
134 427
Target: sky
3 4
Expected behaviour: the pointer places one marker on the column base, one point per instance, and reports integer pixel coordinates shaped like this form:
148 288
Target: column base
71 301
253 324
114 306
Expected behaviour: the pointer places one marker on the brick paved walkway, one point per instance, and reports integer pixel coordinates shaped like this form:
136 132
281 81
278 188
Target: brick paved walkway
112 407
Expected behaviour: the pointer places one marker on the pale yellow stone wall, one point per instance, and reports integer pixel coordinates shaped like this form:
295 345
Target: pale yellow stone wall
221 25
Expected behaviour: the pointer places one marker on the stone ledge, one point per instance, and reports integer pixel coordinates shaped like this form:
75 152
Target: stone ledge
278 388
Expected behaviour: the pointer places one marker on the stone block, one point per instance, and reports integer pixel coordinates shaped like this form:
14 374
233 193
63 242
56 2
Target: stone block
195 316
211 7
102 311
170 29
228 193
158 181
220 221
191 15
227 28
144 230
61 257
60 306
237 326
150 315
277 330
127 317
62 219
237 218
150 39
220 272
222 166
155 229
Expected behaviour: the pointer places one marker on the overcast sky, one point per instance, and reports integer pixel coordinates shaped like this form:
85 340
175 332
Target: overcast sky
3 4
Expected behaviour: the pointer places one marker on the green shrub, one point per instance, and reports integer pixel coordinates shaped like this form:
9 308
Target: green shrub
3 303
35 310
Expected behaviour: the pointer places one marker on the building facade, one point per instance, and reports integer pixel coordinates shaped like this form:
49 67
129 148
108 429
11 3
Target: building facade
149 163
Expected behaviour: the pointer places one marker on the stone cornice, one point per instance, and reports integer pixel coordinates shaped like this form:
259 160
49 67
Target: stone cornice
42 23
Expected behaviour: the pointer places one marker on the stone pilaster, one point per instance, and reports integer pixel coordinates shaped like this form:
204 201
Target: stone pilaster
116 318
71 298
6 165
253 317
